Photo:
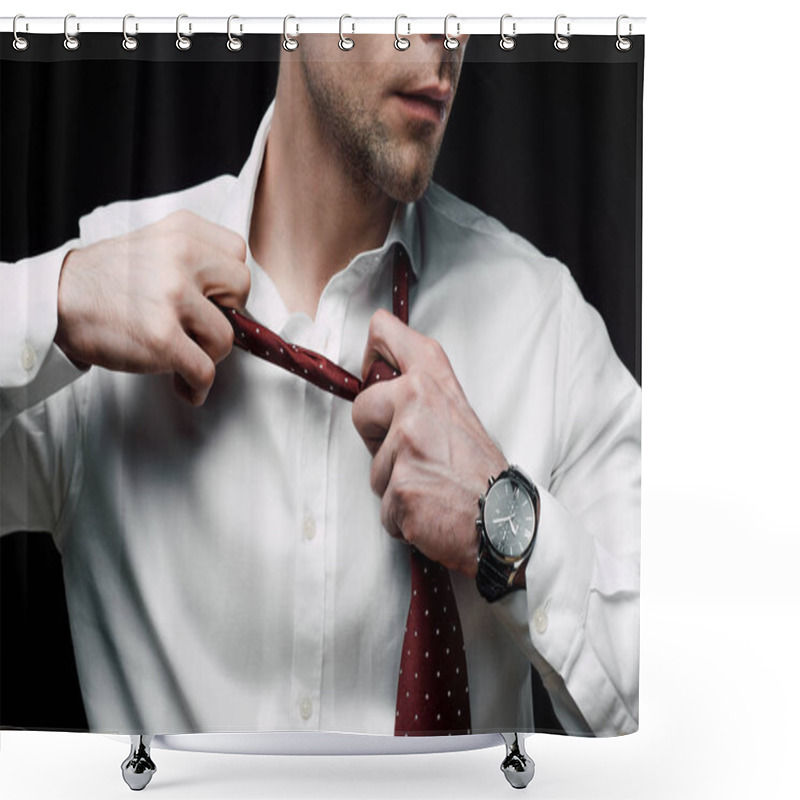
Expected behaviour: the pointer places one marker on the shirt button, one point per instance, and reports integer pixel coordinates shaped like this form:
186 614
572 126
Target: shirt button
27 357
309 527
306 708
540 620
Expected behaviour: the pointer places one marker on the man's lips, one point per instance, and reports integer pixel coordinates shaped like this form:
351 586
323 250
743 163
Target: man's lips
428 103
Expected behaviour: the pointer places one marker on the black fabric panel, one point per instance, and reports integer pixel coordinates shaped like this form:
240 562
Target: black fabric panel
548 142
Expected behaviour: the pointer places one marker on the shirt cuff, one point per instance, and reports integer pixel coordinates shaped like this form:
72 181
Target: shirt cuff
558 579
29 318
551 618
56 372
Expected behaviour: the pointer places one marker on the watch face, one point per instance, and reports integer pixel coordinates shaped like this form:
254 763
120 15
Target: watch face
509 517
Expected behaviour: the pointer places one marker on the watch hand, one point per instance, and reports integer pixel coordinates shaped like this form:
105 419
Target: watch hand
502 519
514 527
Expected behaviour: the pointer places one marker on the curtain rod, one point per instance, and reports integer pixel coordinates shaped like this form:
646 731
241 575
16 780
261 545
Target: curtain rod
511 26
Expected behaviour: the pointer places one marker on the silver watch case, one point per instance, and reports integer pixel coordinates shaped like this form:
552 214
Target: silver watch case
512 473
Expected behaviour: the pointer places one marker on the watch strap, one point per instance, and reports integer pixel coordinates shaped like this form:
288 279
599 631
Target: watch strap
495 580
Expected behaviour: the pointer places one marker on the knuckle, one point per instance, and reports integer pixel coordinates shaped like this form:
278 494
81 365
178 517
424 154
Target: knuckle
176 285
402 498
377 322
374 324
241 249
393 509
245 281
406 437
178 219
163 335
185 215
435 351
386 513
374 478
417 385
226 338
410 531
355 413
206 373
181 246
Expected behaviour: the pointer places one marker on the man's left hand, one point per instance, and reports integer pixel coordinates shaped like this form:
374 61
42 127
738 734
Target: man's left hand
432 458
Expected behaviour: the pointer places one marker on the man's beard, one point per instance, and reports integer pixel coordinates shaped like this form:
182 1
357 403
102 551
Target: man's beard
366 147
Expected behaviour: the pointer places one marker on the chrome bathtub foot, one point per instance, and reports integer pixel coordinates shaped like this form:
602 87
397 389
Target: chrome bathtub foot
138 768
517 766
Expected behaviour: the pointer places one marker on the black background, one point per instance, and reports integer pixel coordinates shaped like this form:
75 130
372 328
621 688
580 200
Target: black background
548 142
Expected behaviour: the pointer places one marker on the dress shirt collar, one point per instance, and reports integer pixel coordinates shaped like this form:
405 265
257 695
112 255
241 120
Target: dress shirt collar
237 212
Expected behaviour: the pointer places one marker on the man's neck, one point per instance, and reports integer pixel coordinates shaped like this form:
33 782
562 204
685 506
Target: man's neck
310 217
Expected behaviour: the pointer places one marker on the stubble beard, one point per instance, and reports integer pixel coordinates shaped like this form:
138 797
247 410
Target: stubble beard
373 159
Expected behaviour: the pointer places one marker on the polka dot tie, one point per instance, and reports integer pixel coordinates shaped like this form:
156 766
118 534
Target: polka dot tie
432 690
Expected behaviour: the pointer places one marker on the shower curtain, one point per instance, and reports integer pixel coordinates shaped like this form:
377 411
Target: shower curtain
201 536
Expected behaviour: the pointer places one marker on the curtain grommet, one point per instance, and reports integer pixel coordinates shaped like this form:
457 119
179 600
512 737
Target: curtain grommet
345 42
507 42
623 44
450 42
182 42
234 44
71 42
400 42
20 42
129 42
561 43
290 43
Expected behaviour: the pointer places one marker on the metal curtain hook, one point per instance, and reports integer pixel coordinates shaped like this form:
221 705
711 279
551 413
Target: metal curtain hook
234 44
345 43
561 42
71 42
507 42
289 42
20 42
623 44
182 42
400 42
451 43
129 42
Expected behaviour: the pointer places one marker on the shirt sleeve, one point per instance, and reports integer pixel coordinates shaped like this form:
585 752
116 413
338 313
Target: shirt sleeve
578 619
39 440
32 366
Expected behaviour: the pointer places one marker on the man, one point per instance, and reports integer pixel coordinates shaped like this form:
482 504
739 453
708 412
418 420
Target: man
225 566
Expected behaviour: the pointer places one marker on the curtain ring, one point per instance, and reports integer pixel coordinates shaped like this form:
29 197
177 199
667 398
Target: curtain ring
623 44
345 42
400 42
129 42
182 42
20 42
289 42
508 42
71 42
451 43
561 42
234 43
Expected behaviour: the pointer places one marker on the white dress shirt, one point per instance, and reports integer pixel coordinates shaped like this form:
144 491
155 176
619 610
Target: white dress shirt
225 566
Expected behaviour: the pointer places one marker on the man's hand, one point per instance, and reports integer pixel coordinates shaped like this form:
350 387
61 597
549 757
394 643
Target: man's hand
138 303
432 458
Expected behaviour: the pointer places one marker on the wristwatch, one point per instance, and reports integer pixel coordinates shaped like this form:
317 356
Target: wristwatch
507 525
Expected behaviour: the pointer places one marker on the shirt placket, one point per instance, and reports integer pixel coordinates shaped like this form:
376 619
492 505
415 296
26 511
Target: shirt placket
315 534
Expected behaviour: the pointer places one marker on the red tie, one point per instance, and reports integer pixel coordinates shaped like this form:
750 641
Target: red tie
432 691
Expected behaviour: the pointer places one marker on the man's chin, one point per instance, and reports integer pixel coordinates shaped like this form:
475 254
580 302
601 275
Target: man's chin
409 191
